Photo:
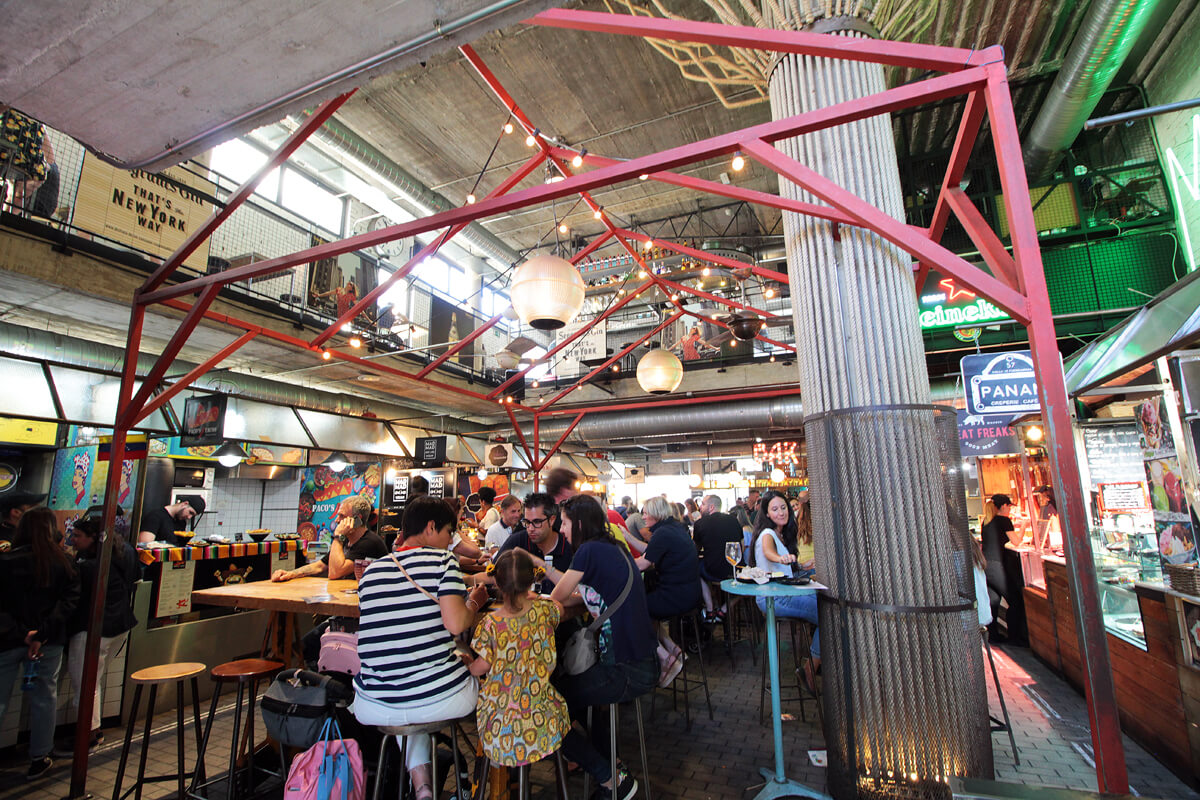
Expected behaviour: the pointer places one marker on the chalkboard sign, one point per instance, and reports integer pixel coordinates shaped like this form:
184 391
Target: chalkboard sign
1114 454
1127 496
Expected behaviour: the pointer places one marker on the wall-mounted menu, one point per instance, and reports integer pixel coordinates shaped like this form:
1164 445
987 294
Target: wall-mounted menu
1114 454
1127 496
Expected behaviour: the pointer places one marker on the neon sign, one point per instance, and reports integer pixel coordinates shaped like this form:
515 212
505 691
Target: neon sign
943 304
778 454
1177 173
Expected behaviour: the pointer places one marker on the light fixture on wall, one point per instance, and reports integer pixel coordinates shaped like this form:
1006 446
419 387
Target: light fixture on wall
336 461
547 292
659 371
230 454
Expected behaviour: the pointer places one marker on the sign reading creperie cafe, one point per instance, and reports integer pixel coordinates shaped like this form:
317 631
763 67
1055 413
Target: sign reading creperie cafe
153 212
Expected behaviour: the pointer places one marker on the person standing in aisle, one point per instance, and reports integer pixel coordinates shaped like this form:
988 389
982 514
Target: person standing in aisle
39 591
1004 577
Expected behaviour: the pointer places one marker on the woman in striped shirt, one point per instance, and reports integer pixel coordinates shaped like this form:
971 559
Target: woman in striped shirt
411 606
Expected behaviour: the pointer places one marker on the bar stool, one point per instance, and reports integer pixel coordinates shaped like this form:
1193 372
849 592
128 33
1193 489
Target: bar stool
613 719
419 729
801 636
685 684
484 765
153 677
246 673
737 614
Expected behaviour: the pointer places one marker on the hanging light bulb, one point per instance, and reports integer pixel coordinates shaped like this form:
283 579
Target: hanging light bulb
598 213
230 455
649 243
547 292
706 272
738 163
508 128
562 228
355 342
659 371
577 161
336 461
643 177
471 198
772 358
325 354
769 293
695 480
482 474
531 139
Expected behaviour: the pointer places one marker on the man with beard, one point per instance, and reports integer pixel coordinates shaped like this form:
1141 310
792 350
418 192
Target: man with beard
161 523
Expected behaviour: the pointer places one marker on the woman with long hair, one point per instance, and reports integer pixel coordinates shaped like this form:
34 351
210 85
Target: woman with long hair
627 667
39 591
776 548
1004 577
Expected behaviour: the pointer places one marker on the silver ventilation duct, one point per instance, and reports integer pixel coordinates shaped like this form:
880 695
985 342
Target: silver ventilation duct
341 139
1107 34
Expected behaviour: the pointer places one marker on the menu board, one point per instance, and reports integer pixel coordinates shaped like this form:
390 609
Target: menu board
1128 496
175 588
1114 454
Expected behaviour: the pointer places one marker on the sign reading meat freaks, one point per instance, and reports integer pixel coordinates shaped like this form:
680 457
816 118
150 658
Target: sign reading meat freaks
203 420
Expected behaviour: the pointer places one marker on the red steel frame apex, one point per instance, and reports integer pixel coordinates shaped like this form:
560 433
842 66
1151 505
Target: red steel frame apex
1015 282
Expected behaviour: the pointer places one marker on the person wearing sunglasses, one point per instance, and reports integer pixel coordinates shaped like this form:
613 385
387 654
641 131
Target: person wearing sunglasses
541 537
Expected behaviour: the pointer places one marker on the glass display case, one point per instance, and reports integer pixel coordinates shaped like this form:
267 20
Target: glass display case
1123 559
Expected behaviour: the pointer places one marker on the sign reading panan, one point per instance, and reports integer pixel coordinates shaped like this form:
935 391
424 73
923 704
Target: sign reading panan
590 347
152 212
1000 383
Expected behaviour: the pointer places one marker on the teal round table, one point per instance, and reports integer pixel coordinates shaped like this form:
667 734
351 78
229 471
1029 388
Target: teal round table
777 785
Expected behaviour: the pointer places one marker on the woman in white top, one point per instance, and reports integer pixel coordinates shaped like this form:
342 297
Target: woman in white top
775 536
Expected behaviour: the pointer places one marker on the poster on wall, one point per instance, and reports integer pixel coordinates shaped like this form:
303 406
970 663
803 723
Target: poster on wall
322 490
1172 516
78 481
591 347
447 325
154 212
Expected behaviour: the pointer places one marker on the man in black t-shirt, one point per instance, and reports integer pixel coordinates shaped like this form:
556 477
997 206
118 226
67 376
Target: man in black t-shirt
712 531
160 524
352 539
540 538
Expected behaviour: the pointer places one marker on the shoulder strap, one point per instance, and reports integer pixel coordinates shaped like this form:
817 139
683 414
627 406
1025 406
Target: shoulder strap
420 588
608 612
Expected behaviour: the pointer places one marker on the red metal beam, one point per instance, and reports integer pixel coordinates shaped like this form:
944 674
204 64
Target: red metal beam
1108 750
713 257
466 340
595 245
990 247
899 234
964 143
190 320
370 297
675 401
760 337
723 300
566 342
723 145
178 386
872 51
611 360
285 150
529 456
725 190
554 449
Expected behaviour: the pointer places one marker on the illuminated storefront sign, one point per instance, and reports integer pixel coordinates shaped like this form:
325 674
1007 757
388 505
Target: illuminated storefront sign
777 454
946 305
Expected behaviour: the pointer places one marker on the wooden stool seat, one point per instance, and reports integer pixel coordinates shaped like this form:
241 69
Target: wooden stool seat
246 669
166 673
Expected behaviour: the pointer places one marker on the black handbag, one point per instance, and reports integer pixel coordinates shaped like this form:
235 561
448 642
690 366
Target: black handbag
582 650
297 703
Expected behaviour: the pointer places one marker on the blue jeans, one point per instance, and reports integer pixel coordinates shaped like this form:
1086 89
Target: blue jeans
602 684
798 606
42 698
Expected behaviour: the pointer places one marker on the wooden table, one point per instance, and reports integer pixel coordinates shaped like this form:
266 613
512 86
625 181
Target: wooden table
285 600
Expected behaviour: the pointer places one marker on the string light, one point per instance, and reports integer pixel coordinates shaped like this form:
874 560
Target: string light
769 293
562 228
772 358
470 198
577 161
508 128
674 298
738 163
531 139
706 272
534 384
643 177
355 342
646 245
598 213
325 354
616 368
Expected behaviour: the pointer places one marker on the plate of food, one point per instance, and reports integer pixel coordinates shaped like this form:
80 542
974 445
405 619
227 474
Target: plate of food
287 537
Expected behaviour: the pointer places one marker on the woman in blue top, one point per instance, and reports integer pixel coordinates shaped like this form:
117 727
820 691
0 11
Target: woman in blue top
627 667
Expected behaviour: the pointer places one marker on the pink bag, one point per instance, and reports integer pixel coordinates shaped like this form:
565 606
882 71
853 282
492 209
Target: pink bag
339 653
332 769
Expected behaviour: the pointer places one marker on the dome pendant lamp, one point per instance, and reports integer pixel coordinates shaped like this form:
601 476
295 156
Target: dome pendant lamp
659 371
547 292
744 327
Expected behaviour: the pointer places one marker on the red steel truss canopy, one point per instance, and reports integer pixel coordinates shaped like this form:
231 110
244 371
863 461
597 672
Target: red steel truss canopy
1015 283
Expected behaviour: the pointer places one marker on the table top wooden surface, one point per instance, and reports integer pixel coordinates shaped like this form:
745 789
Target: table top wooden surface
301 595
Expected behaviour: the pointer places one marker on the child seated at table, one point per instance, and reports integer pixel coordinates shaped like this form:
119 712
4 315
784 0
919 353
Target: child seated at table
522 718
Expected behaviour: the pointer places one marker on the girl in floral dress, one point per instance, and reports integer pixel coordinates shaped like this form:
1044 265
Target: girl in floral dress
522 718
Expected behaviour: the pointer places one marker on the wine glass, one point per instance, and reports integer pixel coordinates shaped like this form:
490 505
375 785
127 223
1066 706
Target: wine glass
733 554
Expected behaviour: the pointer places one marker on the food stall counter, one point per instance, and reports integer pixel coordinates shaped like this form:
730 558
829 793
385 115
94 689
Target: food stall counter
151 555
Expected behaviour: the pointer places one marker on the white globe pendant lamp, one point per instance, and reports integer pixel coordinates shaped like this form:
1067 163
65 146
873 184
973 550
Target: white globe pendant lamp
659 371
547 292
777 476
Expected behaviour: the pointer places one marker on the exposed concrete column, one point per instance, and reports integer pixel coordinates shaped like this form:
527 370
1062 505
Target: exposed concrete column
905 704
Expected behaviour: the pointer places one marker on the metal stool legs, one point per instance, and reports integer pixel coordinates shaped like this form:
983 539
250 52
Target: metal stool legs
1007 724
182 774
612 738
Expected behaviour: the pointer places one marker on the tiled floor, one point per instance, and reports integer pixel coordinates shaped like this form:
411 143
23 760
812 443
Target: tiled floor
719 758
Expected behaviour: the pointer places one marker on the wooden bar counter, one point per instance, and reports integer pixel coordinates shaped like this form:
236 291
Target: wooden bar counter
299 595
1157 687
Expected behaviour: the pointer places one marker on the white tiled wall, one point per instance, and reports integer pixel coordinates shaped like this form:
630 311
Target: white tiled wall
17 718
241 504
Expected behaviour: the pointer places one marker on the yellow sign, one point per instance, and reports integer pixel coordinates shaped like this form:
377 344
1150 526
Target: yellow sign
28 431
153 212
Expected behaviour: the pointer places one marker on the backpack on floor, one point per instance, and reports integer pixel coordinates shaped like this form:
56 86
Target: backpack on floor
332 769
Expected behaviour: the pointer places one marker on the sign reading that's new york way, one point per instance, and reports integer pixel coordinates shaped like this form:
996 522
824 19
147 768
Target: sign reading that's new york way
946 304
153 212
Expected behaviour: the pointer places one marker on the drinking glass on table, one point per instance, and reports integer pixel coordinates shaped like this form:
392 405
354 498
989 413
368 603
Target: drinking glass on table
733 554
360 566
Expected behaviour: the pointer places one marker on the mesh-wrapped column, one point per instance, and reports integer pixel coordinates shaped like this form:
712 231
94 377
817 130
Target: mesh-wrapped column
905 702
